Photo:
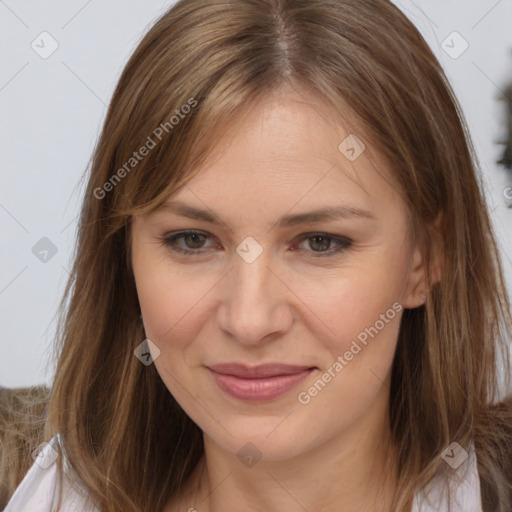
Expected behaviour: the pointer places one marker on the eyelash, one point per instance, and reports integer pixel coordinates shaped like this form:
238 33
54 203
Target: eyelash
169 241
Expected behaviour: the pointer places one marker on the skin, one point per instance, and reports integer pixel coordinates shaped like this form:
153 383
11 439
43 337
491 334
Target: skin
289 305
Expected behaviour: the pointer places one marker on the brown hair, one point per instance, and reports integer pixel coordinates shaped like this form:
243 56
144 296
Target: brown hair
129 441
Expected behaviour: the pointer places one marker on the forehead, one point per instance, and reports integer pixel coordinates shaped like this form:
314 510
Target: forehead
289 148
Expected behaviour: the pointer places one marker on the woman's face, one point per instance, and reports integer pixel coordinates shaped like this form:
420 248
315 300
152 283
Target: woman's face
266 281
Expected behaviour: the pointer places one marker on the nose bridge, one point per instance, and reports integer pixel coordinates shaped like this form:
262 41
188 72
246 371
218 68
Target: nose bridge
253 306
250 280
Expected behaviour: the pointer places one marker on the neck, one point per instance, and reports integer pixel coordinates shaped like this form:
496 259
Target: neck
355 471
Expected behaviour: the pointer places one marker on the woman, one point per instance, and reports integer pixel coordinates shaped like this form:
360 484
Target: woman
287 294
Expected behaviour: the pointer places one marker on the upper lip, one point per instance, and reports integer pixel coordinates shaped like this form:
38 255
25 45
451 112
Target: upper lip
258 372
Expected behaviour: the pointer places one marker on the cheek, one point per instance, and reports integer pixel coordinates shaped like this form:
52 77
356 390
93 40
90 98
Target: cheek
361 305
357 359
363 322
170 302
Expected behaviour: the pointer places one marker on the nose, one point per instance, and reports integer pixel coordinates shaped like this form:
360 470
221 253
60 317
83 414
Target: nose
255 306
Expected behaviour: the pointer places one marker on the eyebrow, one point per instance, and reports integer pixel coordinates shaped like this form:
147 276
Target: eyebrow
323 214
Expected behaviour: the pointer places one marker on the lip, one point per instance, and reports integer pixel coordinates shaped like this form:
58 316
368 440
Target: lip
258 383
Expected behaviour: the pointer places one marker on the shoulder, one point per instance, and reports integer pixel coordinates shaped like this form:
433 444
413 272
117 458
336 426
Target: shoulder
40 488
37 489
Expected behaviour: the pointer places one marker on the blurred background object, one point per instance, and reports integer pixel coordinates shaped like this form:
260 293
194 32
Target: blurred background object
22 418
506 159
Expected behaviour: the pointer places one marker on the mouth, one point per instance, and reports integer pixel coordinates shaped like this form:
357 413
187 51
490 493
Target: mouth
258 383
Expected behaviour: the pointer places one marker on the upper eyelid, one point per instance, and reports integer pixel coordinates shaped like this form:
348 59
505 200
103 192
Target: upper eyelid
205 233
303 236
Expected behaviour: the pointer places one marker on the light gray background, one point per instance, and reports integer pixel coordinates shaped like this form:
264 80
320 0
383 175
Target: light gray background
52 110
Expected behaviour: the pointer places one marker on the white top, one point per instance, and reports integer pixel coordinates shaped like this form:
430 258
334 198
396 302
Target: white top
38 492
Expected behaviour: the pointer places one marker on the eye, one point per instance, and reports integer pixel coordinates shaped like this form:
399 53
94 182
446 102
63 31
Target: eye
321 243
193 243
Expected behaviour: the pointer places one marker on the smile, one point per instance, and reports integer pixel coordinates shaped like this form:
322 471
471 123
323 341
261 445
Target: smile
258 384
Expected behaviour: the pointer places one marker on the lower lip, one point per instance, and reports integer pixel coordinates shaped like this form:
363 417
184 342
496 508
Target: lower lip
254 390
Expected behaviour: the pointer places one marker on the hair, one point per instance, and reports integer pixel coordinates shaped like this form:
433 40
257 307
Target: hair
197 69
22 421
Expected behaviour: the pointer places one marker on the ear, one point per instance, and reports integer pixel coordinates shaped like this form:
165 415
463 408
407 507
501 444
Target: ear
418 283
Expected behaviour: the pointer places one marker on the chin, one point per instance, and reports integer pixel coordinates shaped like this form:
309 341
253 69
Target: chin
265 438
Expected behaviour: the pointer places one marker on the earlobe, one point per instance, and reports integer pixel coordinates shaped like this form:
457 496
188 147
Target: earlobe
416 292
419 284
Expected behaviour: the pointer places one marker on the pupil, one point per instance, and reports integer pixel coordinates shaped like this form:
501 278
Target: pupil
323 239
196 237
